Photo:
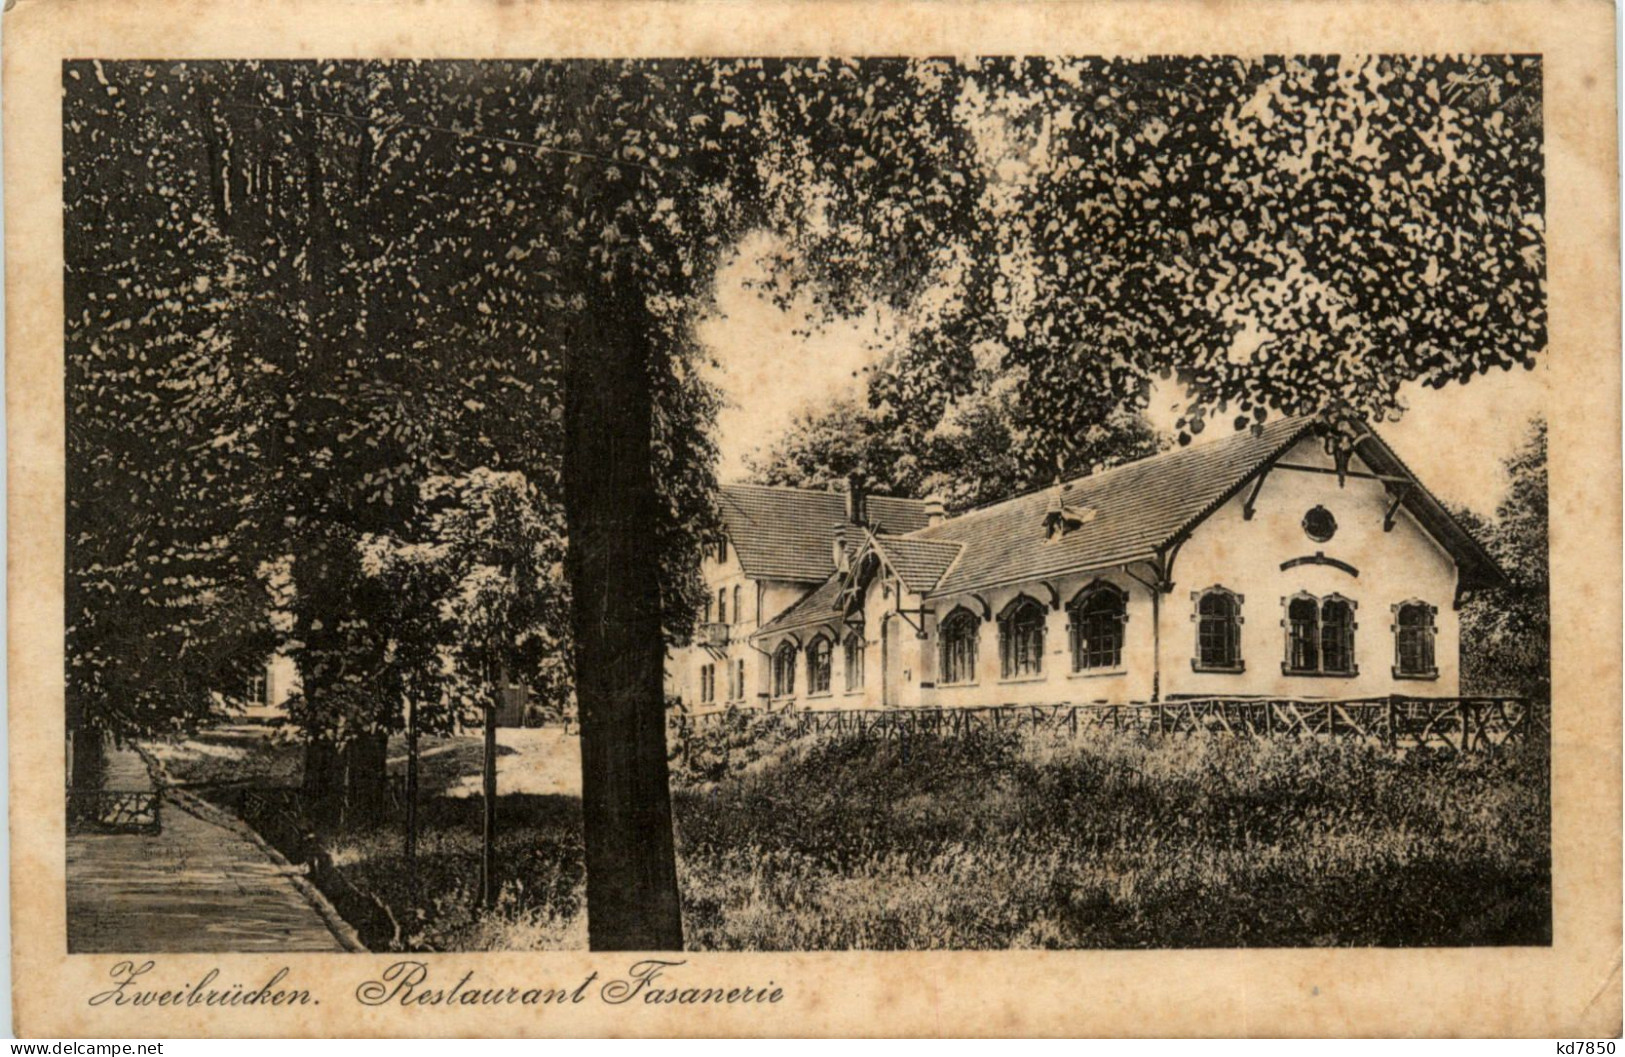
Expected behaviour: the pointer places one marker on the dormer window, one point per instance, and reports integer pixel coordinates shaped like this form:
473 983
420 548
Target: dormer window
1060 519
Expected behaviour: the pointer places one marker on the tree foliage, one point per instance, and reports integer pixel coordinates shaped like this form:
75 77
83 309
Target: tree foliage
472 591
164 606
344 279
969 457
1506 634
299 292
1287 234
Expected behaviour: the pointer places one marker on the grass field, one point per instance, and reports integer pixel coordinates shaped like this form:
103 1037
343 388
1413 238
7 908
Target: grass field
1018 841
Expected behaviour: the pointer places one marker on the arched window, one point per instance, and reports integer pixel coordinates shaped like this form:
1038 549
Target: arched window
854 661
708 683
957 637
1218 631
784 670
1337 636
1413 641
739 610
1021 639
706 614
818 658
722 605
1320 636
1098 614
1303 634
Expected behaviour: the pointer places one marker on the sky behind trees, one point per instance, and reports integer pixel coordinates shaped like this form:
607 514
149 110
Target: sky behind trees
770 368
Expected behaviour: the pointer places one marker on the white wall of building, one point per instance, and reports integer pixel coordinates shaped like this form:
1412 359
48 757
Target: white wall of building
1246 556
760 601
1227 549
1129 681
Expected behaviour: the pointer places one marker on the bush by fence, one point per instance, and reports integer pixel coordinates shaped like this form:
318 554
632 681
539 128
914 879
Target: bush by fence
1455 724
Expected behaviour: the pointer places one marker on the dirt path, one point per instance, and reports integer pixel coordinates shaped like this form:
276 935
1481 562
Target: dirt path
199 885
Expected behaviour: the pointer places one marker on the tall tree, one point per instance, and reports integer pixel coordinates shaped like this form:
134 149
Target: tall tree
1506 634
165 610
450 266
972 455
1287 234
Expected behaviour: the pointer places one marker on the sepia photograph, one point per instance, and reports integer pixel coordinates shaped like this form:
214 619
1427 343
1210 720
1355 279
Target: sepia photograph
806 504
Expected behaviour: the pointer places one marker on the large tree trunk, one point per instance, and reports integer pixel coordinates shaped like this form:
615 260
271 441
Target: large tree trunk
89 759
323 784
613 565
488 809
366 776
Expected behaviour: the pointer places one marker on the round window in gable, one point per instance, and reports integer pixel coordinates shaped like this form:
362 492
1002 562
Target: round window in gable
1319 524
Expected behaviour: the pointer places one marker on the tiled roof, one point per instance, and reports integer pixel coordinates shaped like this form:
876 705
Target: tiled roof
785 533
819 607
1127 512
919 562
1120 515
814 608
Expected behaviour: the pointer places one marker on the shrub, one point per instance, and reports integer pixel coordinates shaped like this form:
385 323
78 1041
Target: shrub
993 840
727 743
1112 841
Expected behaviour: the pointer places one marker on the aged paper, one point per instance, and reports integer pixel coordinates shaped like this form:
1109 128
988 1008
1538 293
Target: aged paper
929 635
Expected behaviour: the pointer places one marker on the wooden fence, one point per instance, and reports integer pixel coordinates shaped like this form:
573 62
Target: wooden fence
1457 724
114 811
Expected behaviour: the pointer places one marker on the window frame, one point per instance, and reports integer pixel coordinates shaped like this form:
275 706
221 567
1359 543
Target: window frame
784 670
1020 607
820 647
1318 639
1347 647
1075 627
1430 636
256 690
1233 629
959 623
853 646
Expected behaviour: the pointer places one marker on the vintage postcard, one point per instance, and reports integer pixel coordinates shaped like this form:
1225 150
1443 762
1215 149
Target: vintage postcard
813 518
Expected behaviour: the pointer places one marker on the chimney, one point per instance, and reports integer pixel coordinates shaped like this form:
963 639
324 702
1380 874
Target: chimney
839 548
934 510
855 500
